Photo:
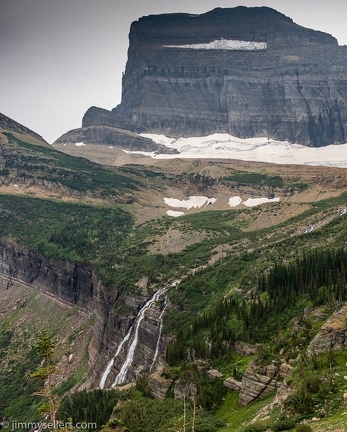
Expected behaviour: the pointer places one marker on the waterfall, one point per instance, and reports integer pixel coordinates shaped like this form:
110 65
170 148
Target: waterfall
159 335
133 333
121 377
111 362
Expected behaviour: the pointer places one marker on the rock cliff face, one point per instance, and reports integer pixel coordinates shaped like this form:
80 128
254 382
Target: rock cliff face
69 282
138 333
244 71
105 127
79 285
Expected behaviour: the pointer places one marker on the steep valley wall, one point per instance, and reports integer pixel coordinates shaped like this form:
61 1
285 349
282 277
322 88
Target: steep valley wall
79 285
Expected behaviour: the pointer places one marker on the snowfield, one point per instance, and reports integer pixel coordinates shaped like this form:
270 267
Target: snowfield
174 213
235 201
225 146
224 44
252 202
202 201
191 202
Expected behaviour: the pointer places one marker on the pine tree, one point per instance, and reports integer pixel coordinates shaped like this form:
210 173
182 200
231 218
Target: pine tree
44 347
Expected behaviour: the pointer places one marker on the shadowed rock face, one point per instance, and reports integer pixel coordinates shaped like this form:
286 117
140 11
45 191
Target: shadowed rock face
73 283
295 89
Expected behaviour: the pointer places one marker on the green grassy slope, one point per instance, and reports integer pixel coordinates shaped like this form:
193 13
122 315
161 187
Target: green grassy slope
218 301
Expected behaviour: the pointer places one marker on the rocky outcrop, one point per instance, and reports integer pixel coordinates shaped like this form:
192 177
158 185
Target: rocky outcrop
258 381
245 348
332 335
108 135
282 394
181 79
214 373
158 385
102 117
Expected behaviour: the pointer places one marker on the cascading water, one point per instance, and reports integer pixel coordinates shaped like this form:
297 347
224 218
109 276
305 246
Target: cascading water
132 334
111 362
156 353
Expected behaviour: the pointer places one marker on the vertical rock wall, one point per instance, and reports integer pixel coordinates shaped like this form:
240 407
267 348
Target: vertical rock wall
294 90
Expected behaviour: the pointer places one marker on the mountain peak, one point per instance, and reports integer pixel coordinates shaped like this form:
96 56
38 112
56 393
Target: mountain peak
246 71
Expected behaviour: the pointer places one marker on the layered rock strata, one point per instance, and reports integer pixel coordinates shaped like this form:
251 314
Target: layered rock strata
73 283
292 87
111 136
258 381
77 284
245 71
332 336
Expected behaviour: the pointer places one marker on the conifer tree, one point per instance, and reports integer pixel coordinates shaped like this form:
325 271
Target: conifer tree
44 347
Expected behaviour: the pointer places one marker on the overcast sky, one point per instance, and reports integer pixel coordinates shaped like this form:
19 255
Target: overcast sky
59 57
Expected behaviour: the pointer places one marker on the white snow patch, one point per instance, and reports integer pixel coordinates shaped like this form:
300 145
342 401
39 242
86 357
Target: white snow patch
174 213
252 202
150 154
79 144
225 146
110 147
224 44
191 202
235 201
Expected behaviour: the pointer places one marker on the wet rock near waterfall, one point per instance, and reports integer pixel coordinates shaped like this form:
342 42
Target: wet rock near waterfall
138 333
